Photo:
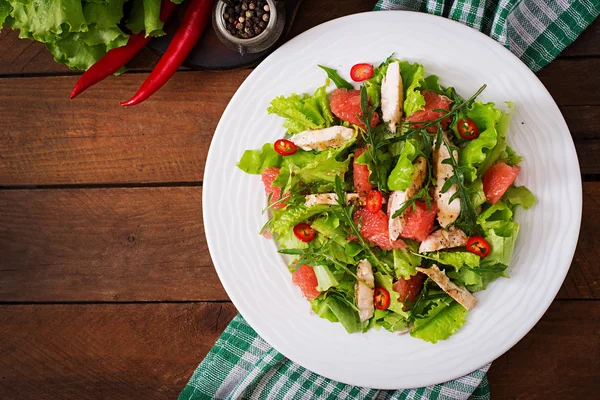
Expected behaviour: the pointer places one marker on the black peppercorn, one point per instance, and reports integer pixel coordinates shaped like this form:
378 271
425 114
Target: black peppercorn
246 18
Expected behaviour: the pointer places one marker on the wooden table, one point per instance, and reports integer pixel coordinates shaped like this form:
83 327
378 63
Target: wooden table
107 288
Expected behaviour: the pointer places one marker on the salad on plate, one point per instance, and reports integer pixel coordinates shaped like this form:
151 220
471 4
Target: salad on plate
395 202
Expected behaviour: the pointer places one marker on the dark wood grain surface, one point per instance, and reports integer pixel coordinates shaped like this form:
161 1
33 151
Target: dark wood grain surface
107 289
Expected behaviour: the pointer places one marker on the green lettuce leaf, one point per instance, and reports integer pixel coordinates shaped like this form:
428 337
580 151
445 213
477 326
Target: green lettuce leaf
285 219
442 321
486 117
5 9
76 33
501 143
335 310
330 228
325 278
254 161
519 195
500 232
145 16
304 112
74 53
405 263
388 320
456 259
47 20
385 281
412 79
477 194
401 176
103 19
510 157
314 167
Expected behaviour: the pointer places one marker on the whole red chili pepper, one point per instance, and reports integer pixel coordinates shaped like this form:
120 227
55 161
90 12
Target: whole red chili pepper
119 56
191 28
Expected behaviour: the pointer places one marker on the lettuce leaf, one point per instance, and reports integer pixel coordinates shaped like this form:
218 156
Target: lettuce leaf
314 167
305 112
285 219
486 117
510 157
388 320
456 259
46 21
501 143
405 263
335 310
5 9
500 232
325 278
145 17
385 281
412 79
103 19
254 161
519 195
401 176
443 320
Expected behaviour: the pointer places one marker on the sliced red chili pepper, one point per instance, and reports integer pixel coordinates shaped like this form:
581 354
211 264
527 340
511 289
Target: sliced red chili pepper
285 147
194 21
361 72
467 129
304 232
381 298
116 58
479 246
374 201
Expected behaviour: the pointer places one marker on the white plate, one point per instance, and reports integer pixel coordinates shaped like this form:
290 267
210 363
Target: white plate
256 278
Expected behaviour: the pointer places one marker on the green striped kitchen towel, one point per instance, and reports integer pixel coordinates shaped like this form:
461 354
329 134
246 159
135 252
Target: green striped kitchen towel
241 365
536 31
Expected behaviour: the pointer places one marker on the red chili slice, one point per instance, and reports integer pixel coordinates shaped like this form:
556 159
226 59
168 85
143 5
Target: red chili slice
361 72
381 298
374 201
479 246
304 232
285 147
467 129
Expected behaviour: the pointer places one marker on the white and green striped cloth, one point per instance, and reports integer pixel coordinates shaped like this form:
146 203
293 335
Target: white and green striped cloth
536 31
241 365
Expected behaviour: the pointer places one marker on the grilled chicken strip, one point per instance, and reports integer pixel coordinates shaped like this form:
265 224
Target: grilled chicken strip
458 293
443 239
323 139
447 212
392 96
365 290
399 197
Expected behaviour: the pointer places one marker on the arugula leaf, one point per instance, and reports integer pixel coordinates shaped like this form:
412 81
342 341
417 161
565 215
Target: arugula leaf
339 82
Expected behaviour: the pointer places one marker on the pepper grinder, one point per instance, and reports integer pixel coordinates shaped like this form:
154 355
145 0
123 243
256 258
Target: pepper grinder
248 26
